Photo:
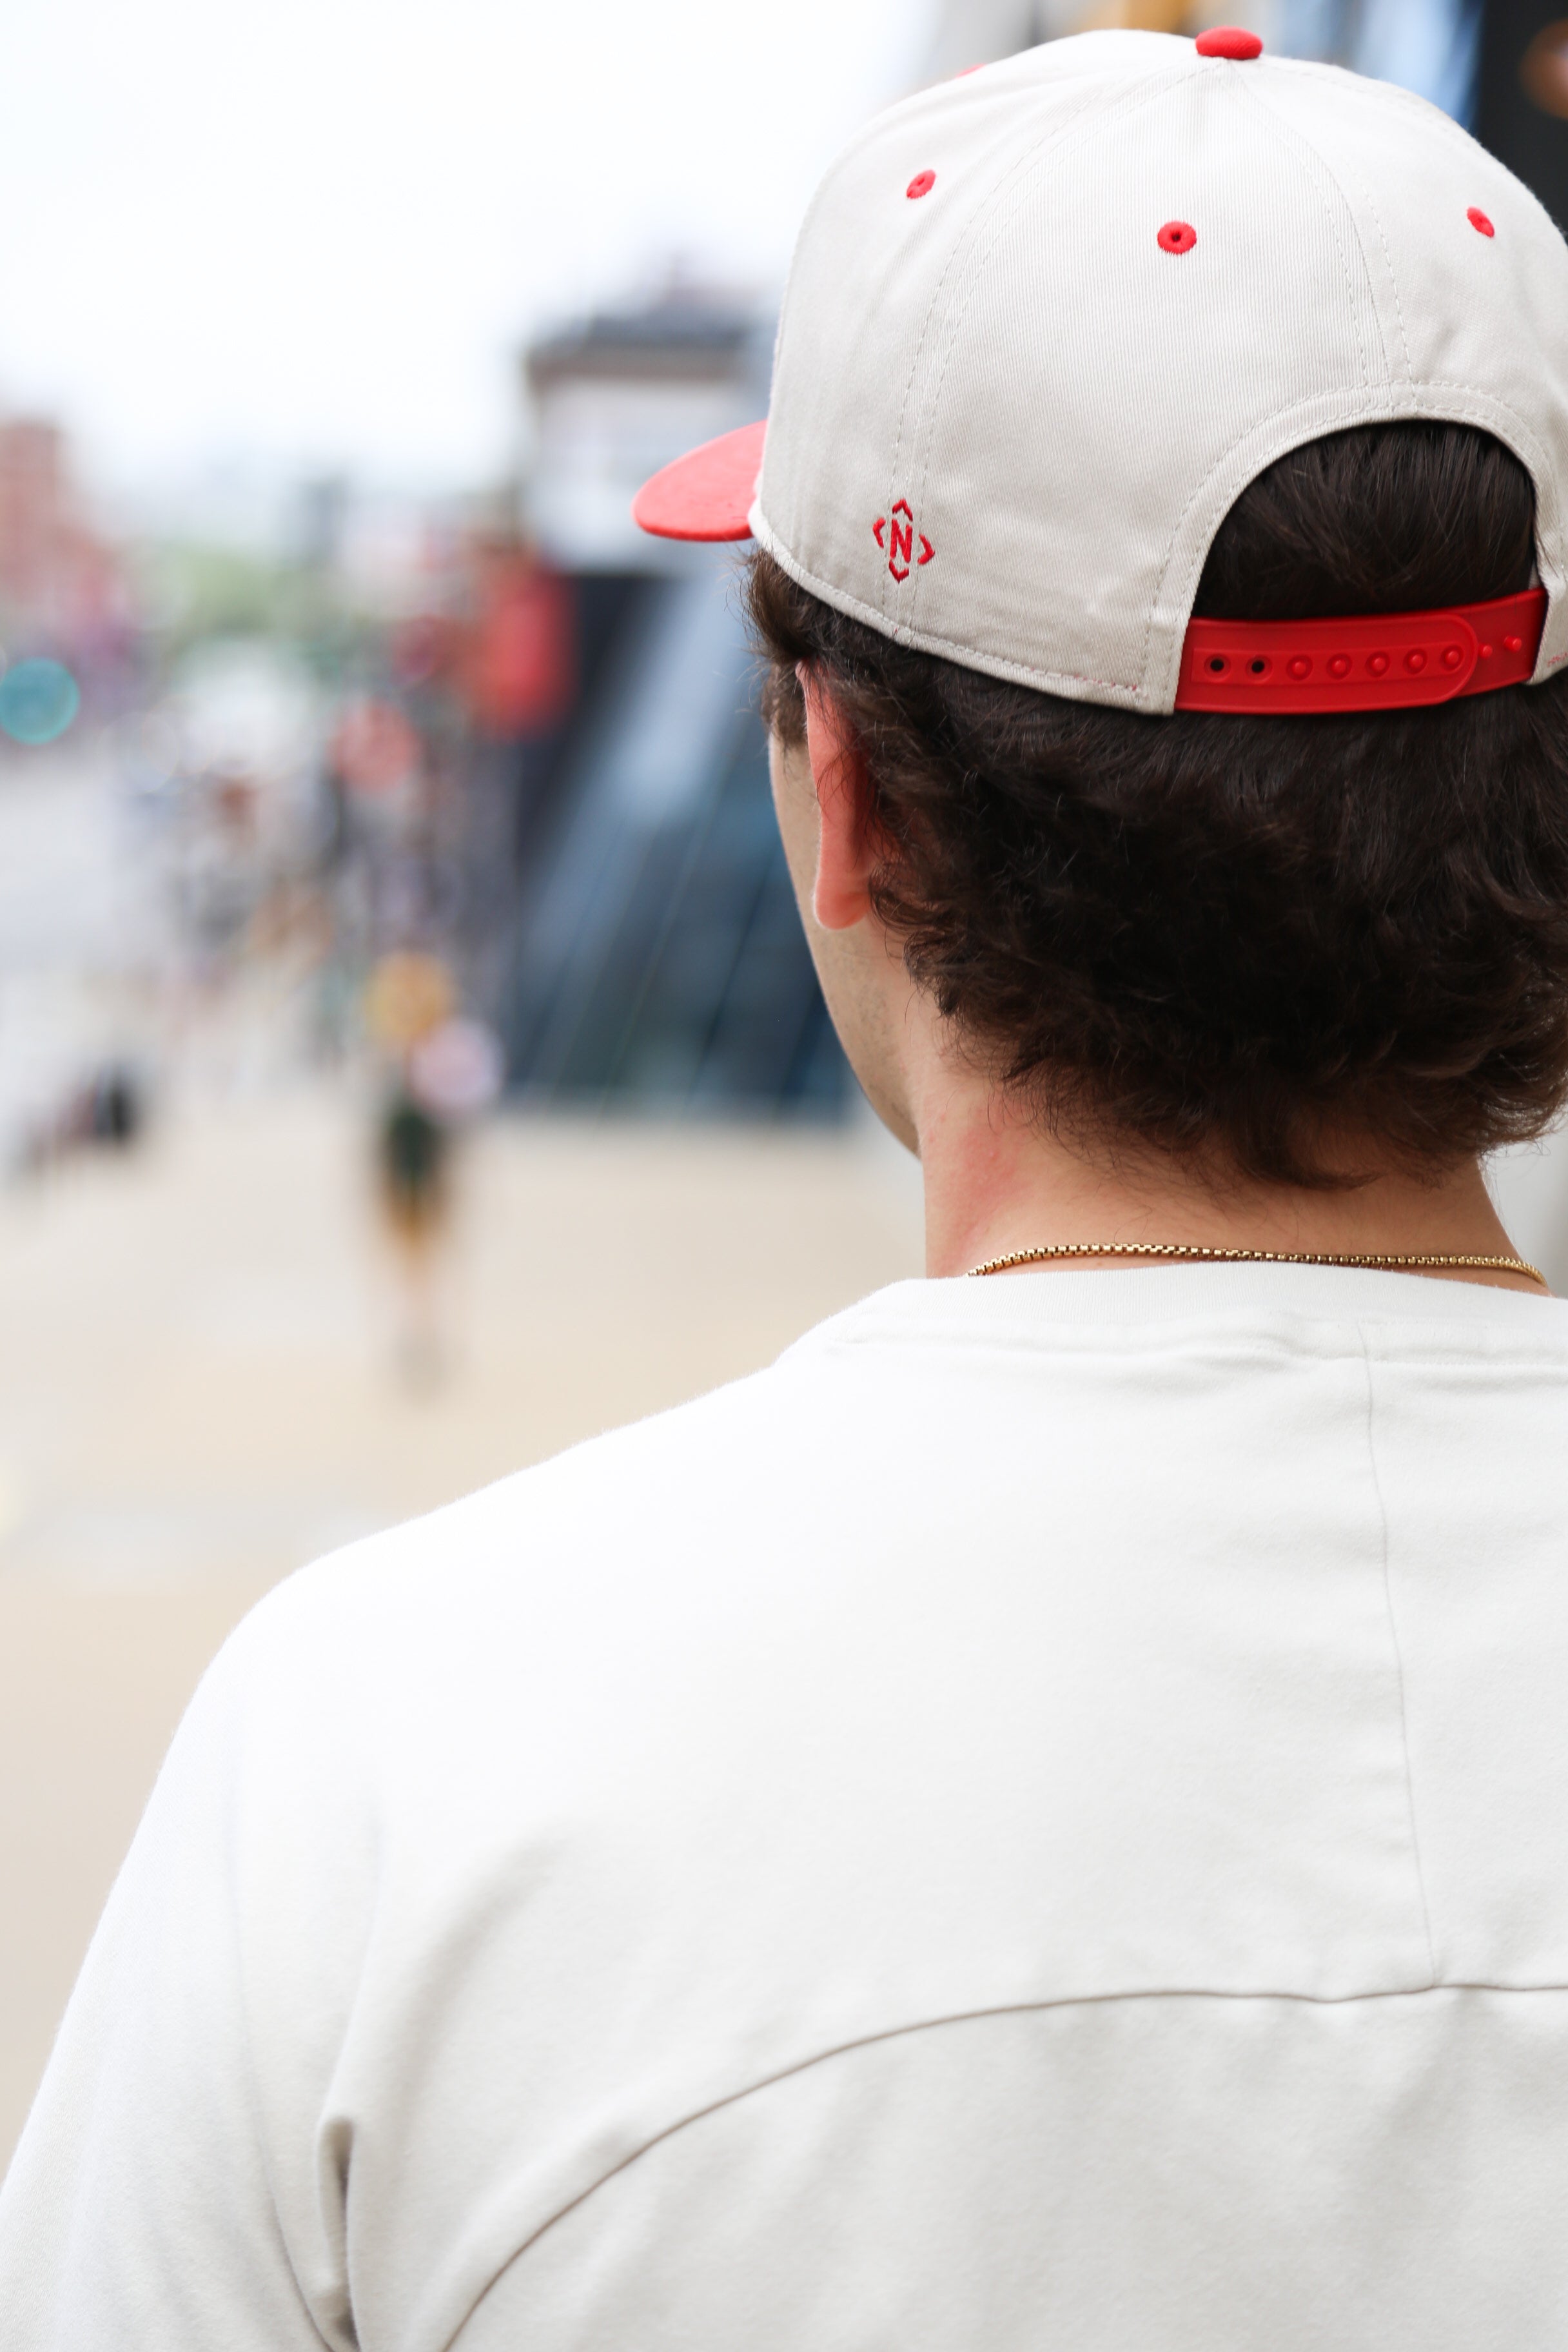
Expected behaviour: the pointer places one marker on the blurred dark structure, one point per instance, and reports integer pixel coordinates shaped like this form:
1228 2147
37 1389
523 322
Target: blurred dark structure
653 954
1521 109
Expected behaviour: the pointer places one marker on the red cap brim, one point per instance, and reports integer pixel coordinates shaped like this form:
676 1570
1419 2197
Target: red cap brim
707 493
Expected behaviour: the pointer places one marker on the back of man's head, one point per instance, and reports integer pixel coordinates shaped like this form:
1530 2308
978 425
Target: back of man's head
1166 483
1227 936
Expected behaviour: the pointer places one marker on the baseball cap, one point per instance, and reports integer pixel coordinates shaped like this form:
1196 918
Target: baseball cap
1045 322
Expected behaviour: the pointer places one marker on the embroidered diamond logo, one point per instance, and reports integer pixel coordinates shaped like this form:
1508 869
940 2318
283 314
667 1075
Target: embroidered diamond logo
899 546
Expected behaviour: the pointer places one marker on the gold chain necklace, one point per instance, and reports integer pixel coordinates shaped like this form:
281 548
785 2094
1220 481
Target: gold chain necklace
1388 1264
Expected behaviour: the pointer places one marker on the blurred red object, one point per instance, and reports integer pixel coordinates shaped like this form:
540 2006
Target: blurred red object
519 673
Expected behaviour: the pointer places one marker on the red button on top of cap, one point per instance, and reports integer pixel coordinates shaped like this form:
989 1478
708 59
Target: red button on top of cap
1229 41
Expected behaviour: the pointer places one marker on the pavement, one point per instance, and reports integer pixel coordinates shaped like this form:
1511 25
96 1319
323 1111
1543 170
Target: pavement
204 1385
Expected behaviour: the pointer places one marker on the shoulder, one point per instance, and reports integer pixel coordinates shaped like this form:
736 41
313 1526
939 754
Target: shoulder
608 1545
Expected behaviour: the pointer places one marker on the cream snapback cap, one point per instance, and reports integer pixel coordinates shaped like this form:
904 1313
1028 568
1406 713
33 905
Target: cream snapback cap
1044 323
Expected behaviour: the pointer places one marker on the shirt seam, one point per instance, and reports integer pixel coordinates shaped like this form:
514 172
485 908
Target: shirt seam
1398 1655
1117 1340
963 2017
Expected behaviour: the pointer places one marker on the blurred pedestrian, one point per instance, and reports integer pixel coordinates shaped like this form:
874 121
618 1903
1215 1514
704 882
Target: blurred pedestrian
442 1071
416 1203
409 998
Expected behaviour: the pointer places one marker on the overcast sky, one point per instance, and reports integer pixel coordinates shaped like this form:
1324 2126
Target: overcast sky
312 232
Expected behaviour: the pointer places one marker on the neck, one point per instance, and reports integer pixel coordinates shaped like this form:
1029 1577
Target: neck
996 1182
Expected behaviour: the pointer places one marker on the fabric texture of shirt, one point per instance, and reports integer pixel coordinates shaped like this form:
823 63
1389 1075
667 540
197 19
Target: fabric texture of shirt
1040 1820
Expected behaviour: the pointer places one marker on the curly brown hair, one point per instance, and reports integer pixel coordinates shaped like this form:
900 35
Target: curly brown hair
1239 939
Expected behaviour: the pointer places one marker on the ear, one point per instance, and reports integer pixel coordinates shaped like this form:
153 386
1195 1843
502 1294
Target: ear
844 860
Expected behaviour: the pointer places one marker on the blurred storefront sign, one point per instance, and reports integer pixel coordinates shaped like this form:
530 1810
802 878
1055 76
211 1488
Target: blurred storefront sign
64 606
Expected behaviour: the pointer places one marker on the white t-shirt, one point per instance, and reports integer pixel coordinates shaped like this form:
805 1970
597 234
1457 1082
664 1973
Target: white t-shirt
1040 1820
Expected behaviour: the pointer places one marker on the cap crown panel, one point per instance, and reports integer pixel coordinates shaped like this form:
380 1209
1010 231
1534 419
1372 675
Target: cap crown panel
1082 335
1057 407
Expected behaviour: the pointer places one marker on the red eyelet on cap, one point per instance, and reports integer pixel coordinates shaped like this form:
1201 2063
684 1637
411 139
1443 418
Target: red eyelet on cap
1229 41
1478 220
921 185
1177 236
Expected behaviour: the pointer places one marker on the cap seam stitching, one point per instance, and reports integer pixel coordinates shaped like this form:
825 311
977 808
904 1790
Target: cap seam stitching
990 197
1305 157
1128 101
1368 201
1316 167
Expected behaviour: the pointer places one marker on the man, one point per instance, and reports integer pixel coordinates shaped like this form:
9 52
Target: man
1043 1818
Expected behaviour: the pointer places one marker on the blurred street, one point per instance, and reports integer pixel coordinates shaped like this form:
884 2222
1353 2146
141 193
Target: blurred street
197 1394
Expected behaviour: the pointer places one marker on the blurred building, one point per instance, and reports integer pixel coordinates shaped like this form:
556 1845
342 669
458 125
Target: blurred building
62 588
653 954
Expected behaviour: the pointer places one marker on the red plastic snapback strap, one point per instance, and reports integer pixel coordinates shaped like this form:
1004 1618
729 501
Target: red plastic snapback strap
1391 661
